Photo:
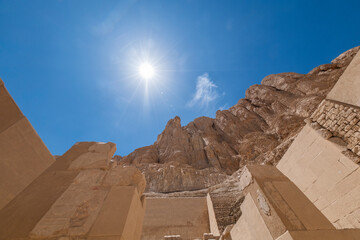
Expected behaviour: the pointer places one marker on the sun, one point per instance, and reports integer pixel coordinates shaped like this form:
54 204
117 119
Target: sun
146 71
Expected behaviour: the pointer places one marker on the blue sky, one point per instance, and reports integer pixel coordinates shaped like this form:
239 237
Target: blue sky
71 66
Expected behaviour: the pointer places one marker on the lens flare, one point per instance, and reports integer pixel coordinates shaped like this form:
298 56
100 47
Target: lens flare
146 71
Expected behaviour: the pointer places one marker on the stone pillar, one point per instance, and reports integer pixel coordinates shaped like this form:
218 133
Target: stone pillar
23 155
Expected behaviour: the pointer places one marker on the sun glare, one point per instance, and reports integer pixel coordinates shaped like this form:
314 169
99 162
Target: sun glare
146 71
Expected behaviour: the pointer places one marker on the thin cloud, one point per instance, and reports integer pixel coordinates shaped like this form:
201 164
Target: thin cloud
223 107
108 25
205 92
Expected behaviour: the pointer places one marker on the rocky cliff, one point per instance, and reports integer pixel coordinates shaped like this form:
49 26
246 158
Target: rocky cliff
257 130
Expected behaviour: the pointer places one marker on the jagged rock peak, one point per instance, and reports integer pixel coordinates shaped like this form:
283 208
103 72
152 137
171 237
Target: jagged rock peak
256 130
176 122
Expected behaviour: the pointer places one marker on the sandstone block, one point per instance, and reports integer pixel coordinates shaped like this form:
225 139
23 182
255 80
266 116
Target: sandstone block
184 216
351 155
75 211
319 170
98 155
23 154
126 176
325 133
119 214
250 224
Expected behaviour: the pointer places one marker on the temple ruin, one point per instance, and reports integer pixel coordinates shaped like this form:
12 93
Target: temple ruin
312 193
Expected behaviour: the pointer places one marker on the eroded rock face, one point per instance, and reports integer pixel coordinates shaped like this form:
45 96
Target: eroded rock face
256 130
173 177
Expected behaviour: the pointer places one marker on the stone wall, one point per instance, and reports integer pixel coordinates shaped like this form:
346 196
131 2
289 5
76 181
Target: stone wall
187 217
327 176
214 229
274 205
250 225
342 120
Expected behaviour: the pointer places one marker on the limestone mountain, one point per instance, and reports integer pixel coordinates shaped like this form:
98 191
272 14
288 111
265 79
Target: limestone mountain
256 130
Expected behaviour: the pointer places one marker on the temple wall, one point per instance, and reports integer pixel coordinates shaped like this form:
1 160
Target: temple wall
187 217
325 175
275 208
23 154
250 225
342 120
214 229
75 211
273 205
120 216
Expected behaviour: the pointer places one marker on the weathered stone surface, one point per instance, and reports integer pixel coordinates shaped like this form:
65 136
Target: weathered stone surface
341 120
172 177
226 198
258 129
125 176
226 233
214 227
250 225
97 156
184 216
264 206
76 210
121 215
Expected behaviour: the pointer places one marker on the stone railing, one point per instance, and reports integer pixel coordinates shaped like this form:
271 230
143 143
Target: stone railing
342 120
